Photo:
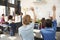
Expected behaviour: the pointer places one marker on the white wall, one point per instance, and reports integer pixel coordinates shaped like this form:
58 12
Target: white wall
43 10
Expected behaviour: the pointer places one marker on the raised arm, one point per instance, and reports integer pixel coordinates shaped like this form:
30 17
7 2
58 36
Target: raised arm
54 18
54 12
34 20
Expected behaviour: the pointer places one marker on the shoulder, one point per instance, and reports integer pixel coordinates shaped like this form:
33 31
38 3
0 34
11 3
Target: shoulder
47 29
20 28
10 21
32 23
42 30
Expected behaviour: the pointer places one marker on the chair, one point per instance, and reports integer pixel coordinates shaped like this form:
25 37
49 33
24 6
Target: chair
1 30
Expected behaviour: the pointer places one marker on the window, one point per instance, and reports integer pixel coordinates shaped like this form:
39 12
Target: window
12 10
2 10
11 1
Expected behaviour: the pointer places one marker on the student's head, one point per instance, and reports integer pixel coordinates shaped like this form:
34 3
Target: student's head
2 14
48 23
26 19
10 17
43 19
21 13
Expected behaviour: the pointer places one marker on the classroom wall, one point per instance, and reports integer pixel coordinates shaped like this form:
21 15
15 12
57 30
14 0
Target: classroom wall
42 9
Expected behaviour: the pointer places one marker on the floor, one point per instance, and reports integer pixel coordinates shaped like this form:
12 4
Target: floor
8 37
16 37
58 35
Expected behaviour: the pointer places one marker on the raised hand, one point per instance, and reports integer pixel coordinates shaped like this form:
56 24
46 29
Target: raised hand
54 12
54 8
32 8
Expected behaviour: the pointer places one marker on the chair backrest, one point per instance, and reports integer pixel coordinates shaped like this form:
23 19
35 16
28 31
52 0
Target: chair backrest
48 35
1 30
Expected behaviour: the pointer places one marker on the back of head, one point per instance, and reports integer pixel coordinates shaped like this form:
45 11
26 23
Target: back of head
10 17
43 23
26 19
48 23
2 14
43 19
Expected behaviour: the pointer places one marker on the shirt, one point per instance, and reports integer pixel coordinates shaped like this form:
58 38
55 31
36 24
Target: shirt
49 33
2 20
27 32
54 25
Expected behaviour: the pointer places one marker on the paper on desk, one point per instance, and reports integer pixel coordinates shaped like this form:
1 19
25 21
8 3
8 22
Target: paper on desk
36 30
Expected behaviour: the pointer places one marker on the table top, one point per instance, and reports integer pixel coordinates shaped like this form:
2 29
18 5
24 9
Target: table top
37 33
3 25
36 30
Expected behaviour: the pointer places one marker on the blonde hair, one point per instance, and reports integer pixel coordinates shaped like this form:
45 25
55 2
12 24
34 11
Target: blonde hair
26 19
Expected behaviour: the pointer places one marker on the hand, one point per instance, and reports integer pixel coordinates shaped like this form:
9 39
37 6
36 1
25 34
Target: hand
54 8
32 8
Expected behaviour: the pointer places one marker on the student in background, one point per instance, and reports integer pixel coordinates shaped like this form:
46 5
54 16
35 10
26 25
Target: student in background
2 19
43 23
21 18
10 19
1 24
12 25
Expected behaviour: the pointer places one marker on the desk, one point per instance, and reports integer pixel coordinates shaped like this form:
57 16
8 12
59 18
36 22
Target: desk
3 25
37 33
